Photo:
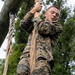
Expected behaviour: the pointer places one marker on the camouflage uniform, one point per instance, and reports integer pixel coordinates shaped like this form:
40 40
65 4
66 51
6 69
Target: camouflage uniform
46 38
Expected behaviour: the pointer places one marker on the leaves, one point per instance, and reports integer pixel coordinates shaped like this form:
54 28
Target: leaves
64 52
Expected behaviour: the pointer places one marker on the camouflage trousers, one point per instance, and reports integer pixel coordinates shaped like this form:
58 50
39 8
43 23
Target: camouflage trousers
42 67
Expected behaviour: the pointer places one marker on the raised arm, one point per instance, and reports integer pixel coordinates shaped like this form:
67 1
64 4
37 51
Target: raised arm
44 27
27 23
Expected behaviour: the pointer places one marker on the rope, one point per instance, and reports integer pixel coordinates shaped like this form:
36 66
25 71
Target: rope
33 54
9 44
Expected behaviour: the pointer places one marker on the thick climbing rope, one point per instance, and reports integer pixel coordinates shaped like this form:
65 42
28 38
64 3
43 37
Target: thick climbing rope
9 42
33 53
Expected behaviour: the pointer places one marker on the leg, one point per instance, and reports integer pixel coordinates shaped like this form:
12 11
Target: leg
42 68
23 67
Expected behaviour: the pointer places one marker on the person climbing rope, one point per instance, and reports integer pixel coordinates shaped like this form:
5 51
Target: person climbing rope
37 57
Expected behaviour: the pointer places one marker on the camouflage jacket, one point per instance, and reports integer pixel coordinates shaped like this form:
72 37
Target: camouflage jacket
46 36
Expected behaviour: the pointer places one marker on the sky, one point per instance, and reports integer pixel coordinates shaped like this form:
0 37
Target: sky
4 45
2 53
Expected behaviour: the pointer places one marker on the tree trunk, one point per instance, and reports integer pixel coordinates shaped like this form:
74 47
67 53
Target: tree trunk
9 6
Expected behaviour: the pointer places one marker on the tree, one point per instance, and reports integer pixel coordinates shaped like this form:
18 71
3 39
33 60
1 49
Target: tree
10 6
20 39
1 66
63 52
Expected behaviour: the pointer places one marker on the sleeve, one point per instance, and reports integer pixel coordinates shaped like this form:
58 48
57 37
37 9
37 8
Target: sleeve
26 23
44 27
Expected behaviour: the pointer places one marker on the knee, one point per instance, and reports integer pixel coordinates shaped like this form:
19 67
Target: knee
23 67
42 71
22 70
42 68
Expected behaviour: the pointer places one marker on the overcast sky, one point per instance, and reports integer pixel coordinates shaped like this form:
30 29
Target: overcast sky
2 53
4 45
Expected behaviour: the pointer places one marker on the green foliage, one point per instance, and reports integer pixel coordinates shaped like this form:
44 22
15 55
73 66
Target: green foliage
20 39
14 58
1 66
22 35
63 52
